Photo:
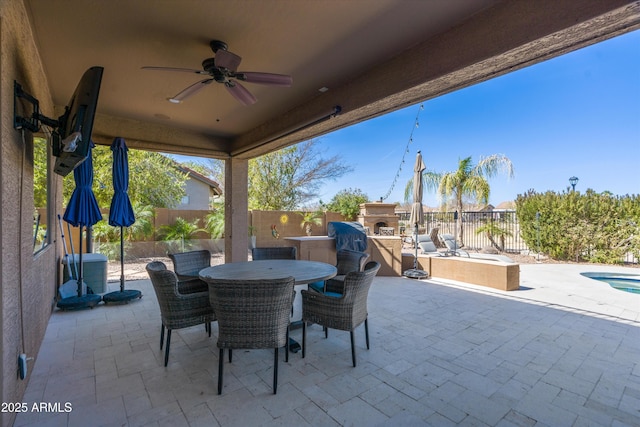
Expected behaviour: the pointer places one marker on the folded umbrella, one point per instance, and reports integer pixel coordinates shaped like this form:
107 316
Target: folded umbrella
121 213
82 211
417 215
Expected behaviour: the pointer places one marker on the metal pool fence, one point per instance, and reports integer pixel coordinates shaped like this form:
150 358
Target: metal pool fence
473 220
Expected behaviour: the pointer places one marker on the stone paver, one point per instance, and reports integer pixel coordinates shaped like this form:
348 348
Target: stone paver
563 350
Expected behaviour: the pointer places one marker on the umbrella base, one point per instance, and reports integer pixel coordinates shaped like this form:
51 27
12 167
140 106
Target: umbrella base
78 303
122 297
414 273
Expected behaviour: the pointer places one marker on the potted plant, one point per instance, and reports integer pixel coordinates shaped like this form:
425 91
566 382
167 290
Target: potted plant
252 237
309 219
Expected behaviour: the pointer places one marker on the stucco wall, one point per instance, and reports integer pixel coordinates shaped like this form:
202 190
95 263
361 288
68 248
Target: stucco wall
198 193
28 282
287 224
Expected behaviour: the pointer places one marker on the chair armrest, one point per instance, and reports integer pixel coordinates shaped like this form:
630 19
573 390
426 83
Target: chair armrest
332 312
315 304
192 298
192 286
185 277
316 297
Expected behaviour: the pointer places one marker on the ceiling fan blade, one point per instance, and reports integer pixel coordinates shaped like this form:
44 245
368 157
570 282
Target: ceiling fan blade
265 78
240 93
190 91
226 59
182 70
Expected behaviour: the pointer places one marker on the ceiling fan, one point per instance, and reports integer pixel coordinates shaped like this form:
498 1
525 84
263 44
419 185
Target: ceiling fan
223 69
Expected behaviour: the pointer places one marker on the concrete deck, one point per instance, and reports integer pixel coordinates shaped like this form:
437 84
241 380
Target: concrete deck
561 351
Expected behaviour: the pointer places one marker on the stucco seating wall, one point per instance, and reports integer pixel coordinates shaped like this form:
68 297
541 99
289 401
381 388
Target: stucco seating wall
387 250
491 273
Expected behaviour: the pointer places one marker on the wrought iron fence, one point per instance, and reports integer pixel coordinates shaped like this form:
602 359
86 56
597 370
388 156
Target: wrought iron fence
474 222
474 238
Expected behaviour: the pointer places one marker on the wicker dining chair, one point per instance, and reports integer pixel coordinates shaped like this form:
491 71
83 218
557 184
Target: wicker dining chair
347 261
345 311
187 265
252 314
177 310
280 252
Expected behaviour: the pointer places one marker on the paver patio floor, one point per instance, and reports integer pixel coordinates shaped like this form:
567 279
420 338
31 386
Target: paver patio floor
562 351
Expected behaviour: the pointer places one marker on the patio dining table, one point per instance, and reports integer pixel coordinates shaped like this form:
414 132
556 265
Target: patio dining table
303 272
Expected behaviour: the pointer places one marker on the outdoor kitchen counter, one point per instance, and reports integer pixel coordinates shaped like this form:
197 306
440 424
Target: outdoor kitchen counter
387 250
315 248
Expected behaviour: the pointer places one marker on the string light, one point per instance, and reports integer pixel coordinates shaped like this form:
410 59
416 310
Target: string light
416 124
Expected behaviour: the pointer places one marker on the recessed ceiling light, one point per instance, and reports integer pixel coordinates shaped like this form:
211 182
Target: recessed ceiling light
323 89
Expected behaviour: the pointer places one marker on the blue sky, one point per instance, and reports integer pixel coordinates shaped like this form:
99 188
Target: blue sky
575 115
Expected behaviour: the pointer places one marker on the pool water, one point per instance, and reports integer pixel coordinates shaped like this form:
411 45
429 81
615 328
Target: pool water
622 282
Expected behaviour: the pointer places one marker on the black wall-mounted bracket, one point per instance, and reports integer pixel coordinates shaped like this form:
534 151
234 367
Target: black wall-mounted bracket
31 123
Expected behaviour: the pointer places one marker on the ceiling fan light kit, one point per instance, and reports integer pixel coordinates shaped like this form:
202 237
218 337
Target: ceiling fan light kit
222 68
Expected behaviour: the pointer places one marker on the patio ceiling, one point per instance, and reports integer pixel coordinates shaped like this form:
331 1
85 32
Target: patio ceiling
372 56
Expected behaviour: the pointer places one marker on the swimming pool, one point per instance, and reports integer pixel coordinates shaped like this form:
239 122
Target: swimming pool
622 282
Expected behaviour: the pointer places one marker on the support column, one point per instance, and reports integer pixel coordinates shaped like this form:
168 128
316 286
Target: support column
236 210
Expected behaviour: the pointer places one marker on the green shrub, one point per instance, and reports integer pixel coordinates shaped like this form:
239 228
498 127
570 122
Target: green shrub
180 234
594 227
214 222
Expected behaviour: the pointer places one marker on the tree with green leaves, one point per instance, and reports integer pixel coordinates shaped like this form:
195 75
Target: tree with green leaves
154 179
468 180
288 178
347 202
39 172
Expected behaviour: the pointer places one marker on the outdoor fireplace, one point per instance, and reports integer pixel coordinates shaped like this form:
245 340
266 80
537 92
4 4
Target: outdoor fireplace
379 218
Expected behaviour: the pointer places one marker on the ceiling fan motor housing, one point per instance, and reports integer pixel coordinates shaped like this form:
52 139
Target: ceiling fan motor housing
217 45
209 66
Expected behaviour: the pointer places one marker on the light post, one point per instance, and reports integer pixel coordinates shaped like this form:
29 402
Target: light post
538 233
573 181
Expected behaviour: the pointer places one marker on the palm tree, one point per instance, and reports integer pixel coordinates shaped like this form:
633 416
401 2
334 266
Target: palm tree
468 180
493 230
214 221
181 231
144 225
309 219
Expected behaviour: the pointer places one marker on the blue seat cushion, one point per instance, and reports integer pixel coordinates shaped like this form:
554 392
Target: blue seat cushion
333 294
317 286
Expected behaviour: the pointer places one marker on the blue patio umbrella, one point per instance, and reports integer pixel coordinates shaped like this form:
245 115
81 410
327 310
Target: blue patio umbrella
121 213
82 209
